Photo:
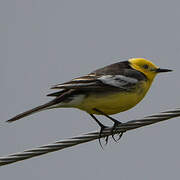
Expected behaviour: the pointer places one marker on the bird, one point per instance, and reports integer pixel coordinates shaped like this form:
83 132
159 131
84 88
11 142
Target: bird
106 91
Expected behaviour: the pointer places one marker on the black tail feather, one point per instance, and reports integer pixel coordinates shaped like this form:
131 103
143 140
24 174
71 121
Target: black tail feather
31 111
63 95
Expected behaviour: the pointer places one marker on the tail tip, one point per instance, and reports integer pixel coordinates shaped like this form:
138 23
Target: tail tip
9 121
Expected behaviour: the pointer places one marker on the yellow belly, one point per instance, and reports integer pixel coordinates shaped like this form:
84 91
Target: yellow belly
112 103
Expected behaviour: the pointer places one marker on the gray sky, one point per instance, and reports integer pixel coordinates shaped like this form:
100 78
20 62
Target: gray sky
45 42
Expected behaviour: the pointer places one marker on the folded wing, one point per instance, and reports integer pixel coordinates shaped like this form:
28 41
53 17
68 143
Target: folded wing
93 82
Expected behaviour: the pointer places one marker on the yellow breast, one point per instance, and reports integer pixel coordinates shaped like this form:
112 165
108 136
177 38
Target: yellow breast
114 102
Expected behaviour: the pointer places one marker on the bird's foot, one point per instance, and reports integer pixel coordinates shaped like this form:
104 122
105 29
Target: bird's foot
116 123
100 136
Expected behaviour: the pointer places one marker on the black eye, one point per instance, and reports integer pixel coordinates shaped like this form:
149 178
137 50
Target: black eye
145 66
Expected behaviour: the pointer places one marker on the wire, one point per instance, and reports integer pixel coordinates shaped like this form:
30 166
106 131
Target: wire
62 144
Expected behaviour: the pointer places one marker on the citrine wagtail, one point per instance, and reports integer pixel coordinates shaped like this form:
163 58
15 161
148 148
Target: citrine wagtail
105 91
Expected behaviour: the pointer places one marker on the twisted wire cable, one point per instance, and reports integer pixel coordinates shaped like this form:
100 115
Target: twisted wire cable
62 144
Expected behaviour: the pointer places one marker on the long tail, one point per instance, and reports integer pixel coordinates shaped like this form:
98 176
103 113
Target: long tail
31 111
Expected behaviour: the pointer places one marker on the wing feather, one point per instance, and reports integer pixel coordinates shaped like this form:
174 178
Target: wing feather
119 81
81 82
91 82
119 76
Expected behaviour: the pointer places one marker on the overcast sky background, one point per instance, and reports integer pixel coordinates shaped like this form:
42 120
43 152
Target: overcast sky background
45 42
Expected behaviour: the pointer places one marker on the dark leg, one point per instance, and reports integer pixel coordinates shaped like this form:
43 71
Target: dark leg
116 122
102 128
109 117
99 123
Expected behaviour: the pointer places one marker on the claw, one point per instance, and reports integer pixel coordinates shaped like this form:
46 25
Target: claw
116 140
112 131
120 135
106 139
100 133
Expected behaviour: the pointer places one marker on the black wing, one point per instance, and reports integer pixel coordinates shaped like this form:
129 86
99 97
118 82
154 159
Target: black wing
119 75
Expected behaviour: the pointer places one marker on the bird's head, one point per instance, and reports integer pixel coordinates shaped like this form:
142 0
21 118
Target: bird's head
146 67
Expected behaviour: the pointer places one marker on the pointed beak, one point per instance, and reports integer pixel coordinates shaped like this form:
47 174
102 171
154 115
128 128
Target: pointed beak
159 70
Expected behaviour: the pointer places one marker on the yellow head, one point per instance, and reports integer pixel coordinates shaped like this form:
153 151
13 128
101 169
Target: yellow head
146 67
